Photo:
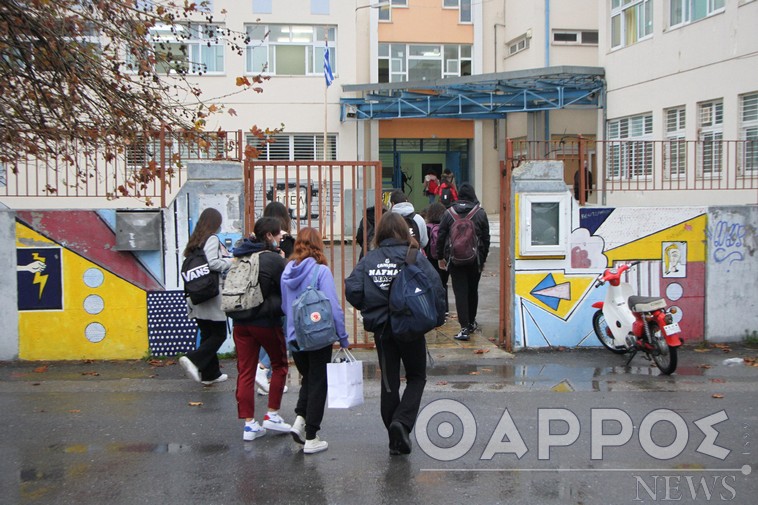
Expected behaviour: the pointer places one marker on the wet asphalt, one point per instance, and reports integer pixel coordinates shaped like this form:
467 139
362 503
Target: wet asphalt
534 427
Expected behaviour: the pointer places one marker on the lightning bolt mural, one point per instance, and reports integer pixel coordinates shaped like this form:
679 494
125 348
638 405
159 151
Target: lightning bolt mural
40 278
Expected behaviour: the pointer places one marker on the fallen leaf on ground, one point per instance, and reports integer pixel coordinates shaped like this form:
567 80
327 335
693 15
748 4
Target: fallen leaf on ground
749 359
486 369
473 373
705 366
41 369
700 349
195 404
94 374
481 351
442 383
74 411
717 395
718 381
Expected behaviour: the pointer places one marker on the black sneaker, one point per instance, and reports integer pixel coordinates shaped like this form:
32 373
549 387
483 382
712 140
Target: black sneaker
474 327
463 334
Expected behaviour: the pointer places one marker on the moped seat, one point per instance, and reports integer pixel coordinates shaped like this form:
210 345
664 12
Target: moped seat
646 303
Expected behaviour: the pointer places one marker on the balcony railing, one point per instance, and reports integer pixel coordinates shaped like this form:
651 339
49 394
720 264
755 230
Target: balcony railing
652 165
147 169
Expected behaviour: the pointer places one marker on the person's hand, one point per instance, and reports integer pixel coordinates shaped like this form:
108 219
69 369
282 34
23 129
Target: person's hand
442 264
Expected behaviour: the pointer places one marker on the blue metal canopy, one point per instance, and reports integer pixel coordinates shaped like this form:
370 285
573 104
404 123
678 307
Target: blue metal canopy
483 96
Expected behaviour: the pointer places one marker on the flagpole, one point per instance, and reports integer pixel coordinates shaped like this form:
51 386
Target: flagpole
326 90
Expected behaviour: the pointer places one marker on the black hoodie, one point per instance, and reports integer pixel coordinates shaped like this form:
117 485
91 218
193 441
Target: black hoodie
466 201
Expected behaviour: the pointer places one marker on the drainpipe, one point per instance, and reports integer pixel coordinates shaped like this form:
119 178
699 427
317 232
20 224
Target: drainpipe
547 64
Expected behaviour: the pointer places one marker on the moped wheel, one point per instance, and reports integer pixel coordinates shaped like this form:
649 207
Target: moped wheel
665 357
603 333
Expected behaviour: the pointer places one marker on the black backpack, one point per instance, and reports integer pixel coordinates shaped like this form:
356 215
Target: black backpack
200 282
414 310
446 195
413 227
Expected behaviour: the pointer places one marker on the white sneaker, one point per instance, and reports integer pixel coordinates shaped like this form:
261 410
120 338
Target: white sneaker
315 445
189 368
274 422
221 378
252 431
298 430
261 379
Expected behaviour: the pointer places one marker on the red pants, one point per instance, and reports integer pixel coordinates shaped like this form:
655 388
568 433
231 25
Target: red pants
248 341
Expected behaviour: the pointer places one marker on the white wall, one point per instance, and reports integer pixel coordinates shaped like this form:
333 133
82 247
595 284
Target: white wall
731 273
8 286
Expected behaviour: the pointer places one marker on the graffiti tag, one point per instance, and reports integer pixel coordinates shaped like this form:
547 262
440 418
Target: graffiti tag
728 240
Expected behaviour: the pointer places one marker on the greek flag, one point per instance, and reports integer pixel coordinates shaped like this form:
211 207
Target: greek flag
327 68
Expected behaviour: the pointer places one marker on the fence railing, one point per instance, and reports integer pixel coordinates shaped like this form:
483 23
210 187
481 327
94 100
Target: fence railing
148 168
652 165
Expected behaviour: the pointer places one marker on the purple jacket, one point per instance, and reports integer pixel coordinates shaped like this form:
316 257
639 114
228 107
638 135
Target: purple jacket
295 279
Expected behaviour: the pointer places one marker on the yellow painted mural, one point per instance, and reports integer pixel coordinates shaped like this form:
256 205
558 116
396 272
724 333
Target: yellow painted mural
71 308
691 231
553 291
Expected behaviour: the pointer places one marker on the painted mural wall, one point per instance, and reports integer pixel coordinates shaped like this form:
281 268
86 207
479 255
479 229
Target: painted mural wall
554 295
78 297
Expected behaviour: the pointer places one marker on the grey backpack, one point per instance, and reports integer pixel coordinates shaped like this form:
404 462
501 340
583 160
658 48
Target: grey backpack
312 317
242 291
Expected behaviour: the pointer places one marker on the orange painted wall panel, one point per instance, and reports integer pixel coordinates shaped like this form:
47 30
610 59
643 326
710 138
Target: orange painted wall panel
426 129
426 21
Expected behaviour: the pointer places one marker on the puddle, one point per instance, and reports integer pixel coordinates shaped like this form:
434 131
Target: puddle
168 448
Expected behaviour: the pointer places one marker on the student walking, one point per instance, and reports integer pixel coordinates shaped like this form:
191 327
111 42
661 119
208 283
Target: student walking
416 223
367 289
447 190
433 216
263 329
307 258
456 237
202 364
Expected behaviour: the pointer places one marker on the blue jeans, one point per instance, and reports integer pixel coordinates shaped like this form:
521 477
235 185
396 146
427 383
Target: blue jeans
264 360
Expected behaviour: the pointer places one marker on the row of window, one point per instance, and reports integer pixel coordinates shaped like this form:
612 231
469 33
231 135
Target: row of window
636 159
632 20
299 50
463 6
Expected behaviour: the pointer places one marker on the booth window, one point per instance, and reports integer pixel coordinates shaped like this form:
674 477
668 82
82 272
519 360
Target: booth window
544 224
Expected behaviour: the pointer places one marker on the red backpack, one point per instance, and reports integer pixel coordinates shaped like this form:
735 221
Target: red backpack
463 240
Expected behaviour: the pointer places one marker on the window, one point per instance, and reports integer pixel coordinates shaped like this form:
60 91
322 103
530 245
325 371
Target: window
631 21
295 147
463 6
682 12
749 133
385 11
419 62
574 37
195 49
518 45
710 149
290 49
675 149
544 227
630 147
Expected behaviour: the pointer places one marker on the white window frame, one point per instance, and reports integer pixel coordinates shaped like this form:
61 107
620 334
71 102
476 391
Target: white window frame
260 40
632 156
628 12
675 148
748 157
681 12
385 11
518 45
579 36
710 152
399 59
288 146
528 203
465 16
196 46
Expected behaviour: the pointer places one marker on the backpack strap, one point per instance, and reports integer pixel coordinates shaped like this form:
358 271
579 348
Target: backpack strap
314 277
473 211
410 256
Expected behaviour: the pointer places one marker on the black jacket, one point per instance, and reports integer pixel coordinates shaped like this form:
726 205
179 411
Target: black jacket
462 208
367 288
269 313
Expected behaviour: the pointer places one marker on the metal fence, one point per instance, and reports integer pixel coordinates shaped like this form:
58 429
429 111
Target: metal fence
330 196
148 168
652 165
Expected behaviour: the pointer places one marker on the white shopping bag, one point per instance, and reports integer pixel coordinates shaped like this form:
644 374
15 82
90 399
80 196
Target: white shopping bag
345 381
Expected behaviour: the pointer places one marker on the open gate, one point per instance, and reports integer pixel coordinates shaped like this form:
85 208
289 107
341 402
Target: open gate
331 196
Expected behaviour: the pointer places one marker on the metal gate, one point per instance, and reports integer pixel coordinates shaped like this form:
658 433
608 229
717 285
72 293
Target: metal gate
331 196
